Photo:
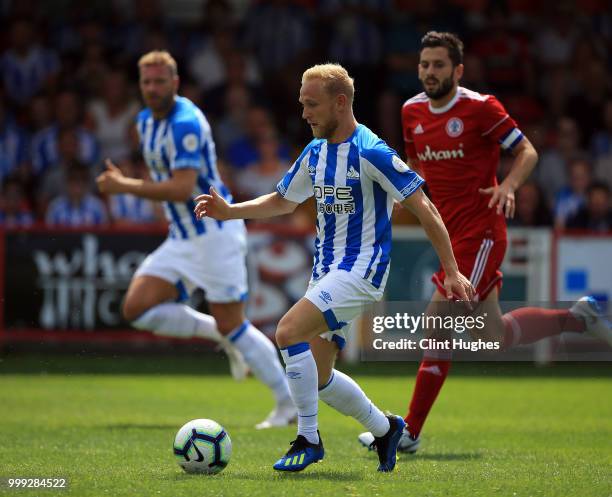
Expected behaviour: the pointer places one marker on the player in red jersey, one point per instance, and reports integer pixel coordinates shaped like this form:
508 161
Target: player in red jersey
453 138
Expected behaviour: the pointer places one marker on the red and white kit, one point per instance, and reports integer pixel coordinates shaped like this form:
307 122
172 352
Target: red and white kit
457 148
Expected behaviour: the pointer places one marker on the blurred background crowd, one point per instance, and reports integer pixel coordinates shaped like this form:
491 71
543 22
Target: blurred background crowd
69 92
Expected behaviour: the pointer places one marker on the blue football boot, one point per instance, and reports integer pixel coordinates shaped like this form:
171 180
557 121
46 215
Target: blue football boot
301 454
386 446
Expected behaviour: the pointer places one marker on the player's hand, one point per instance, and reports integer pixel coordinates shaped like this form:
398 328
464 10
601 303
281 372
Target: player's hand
502 196
111 180
212 205
457 285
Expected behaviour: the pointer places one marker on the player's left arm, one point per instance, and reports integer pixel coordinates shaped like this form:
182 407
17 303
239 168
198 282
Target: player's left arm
455 283
502 196
175 189
498 126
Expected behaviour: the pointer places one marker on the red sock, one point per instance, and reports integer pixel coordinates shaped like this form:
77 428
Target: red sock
530 324
429 381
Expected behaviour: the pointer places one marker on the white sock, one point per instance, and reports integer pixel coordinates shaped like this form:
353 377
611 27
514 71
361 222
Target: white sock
343 394
172 319
301 370
261 356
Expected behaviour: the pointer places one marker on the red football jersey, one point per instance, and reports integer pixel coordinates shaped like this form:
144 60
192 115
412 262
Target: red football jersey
457 150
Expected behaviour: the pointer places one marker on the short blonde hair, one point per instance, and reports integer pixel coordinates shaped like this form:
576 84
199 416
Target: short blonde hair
336 79
158 58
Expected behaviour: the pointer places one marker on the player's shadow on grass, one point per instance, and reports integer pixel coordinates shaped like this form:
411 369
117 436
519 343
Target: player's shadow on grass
138 426
311 474
441 457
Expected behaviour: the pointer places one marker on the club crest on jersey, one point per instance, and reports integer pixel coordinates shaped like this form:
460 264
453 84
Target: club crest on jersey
399 165
454 127
190 142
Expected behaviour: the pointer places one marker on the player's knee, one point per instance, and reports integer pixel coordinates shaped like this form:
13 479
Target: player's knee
285 335
131 310
227 324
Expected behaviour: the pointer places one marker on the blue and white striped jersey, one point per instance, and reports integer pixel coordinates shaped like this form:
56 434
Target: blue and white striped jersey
182 140
354 184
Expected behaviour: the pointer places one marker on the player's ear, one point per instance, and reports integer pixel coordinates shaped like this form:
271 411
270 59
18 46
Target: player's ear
341 101
459 72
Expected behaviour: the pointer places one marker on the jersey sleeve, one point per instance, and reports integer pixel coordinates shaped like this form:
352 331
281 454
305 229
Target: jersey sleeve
296 185
409 147
385 167
187 139
497 125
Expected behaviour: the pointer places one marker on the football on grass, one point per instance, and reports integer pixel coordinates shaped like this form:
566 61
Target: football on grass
202 446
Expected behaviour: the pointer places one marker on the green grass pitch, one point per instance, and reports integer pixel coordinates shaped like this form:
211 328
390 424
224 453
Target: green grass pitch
108 426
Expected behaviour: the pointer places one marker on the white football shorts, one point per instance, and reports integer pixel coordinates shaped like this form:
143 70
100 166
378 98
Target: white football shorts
214 262
341 297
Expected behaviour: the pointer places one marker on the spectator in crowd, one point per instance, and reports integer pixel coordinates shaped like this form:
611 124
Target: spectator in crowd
230 127
78 207
209 66
54 181
112 116
585 106
130 210
279 33
572 197
558 33
243 151
596 215
13 145
552 170
15 211
27 67
601 146
69 115
531 208
261 177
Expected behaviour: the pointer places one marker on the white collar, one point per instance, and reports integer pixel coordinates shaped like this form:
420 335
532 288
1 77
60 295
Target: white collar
451 102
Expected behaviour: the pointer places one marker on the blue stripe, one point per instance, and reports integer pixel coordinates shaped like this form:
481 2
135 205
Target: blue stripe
203 184
518 139
330 219
177 220
383 233
237 333
182 291
210 172
198 224
331 378
340 342
355 220
332 323
298 348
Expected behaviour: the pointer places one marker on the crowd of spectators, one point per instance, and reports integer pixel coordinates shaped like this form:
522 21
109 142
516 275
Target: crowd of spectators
69 92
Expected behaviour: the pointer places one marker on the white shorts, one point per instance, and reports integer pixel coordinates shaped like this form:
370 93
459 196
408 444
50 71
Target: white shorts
214 262
341 297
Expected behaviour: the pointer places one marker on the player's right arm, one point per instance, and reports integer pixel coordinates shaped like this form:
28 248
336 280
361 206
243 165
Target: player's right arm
292 190
270 205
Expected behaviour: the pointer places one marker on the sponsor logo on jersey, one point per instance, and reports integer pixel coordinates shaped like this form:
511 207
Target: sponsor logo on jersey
334 199
190 142
418 130
399 165
312 170
454 127
352 173
430 154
